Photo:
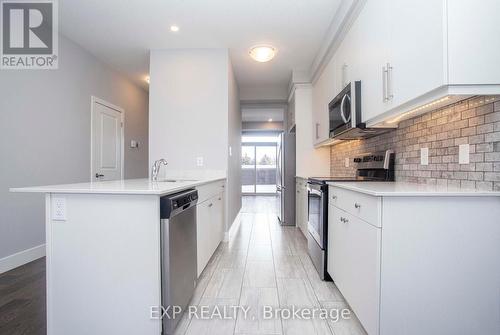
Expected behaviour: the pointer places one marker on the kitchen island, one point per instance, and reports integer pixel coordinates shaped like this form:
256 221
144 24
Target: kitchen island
416 259
103 246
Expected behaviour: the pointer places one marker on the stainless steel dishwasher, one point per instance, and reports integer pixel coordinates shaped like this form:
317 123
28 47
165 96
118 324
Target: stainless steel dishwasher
178 252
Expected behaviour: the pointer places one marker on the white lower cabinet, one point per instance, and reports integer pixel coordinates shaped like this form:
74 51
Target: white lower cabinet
414 264
354 264
301 210
209 228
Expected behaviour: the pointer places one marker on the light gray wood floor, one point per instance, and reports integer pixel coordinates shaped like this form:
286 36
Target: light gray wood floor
265 264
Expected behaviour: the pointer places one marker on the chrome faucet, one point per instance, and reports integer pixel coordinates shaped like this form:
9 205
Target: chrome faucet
156 168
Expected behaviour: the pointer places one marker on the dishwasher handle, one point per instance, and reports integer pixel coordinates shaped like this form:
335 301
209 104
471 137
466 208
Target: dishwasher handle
174 204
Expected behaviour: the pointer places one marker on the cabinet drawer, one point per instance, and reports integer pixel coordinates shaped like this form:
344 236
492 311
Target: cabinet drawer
366 207
209 190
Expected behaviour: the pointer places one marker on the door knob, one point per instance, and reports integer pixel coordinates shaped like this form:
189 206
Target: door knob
98 175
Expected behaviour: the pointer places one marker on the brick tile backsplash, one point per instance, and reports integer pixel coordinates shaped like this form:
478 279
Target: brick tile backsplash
475 121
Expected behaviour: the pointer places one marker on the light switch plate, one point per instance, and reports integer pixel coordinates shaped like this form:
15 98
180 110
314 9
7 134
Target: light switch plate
134 144
463 154
199 161
346 162
424 156
59 209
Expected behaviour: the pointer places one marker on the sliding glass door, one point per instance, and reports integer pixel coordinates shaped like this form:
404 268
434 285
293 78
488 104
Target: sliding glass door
265 168
258 164
248 169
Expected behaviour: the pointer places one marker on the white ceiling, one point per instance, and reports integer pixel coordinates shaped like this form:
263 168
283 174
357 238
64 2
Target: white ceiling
121 33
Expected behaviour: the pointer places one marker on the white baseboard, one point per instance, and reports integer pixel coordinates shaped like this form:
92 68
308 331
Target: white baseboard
22 257
234 227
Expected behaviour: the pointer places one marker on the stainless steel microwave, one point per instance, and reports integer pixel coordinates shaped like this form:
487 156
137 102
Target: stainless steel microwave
345 111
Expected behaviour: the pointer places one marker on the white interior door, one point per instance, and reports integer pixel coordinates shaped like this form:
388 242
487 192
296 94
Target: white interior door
107 141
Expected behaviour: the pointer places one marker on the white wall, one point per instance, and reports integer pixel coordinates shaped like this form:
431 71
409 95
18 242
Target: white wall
45 135
310 161
188 108
233 197
263 93
262 126
194 112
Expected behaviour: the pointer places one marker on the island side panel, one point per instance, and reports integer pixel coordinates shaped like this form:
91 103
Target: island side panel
440 269
103 265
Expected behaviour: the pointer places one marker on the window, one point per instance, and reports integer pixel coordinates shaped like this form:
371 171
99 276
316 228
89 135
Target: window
258 164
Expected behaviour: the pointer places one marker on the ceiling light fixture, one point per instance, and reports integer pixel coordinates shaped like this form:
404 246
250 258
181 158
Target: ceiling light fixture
263 53
174 28
270 120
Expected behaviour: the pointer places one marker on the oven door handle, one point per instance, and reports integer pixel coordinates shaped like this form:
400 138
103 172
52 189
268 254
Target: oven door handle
342 114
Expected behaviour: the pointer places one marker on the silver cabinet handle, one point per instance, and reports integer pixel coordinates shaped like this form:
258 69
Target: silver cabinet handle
384 84
342 219
317 130
356 205
390 94
98 175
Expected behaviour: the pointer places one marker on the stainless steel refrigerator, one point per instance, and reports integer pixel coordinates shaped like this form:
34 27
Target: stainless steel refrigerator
285 179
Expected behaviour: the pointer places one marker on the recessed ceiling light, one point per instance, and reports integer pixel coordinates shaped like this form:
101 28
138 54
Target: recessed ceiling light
270 120
147 79
263 53
174 28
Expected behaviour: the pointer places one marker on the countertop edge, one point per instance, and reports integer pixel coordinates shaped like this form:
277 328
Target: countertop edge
454 193
45 189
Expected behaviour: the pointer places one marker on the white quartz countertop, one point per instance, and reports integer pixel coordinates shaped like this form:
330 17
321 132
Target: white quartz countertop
397 189
126 186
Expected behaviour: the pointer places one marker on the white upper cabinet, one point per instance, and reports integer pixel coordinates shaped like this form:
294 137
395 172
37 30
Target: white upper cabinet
372 31
416 49
290 115
324 90
473 45
409 53
402 52
343 67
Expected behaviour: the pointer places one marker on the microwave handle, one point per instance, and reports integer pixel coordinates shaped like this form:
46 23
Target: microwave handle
346 120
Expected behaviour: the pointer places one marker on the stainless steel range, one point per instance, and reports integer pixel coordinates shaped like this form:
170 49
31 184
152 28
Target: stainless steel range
376 166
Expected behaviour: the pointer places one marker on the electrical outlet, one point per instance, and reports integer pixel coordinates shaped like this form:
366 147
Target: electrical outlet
199 161
59 209
424 156
463 153
346 162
